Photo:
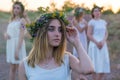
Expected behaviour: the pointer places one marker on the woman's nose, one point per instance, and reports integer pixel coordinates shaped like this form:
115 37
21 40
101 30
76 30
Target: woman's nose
57 33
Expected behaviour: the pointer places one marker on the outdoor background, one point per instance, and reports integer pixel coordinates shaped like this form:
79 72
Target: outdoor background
111 13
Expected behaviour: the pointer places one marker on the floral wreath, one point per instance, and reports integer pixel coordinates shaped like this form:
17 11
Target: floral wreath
78 11
43 19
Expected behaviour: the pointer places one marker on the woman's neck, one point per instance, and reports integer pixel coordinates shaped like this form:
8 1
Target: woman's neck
97 18
80 19
17 18
49 53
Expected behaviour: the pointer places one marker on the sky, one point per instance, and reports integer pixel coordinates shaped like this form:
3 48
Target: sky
5 5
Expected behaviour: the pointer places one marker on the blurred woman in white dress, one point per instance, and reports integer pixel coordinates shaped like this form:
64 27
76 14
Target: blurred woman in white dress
15 48
98 51
81 24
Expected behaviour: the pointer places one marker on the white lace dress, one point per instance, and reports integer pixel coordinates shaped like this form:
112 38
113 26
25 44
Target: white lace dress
13 31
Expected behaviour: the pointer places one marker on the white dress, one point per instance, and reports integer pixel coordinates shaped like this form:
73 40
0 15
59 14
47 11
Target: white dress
99 57
83 39
38 73
13 31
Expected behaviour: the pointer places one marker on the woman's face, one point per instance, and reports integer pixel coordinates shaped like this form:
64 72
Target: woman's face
81 15
96 13
54 33
16 9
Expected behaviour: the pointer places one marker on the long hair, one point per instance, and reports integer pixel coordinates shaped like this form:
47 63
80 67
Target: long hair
40 46
22 10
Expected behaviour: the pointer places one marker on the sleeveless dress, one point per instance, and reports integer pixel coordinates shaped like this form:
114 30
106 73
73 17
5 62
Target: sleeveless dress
13 30
38 73
83 39
99 57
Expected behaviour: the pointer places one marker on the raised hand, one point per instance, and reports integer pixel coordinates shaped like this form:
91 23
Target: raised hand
72 35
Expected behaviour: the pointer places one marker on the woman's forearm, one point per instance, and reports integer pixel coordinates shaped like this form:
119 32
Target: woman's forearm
106 36
92 39
85 62
20 41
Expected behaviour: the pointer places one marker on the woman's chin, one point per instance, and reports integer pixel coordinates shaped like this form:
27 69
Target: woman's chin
55 45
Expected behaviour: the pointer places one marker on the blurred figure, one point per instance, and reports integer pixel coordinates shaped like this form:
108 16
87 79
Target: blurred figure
15 48
81 24
98 51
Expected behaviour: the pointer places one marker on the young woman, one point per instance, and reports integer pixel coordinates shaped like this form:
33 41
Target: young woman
48 59
81 24
98 51
15 38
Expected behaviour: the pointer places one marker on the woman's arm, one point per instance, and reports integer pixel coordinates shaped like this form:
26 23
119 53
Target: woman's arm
21 38
21 72
86 26
27 34
104 39
5 34
106 36
26 18
89 34
75 23
84 64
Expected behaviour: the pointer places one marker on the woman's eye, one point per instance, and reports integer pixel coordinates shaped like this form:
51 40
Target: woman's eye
51 29
18 8
60 29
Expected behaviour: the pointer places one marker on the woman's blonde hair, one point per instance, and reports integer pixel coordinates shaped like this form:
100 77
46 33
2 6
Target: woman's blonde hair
22 10
40 46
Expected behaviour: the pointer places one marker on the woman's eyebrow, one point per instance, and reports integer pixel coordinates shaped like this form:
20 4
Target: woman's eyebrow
51 26
54 26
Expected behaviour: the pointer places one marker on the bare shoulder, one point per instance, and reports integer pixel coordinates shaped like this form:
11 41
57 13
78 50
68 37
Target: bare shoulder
71 57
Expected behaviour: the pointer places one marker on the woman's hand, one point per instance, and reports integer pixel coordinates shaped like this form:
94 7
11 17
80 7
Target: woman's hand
16 55
72 35
6 36
100 44
25 14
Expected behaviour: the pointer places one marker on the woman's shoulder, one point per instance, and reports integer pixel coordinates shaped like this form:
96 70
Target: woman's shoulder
103 21
91 21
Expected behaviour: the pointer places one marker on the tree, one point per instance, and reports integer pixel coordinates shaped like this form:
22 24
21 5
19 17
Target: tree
68 6
43 10
14 1
109 11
